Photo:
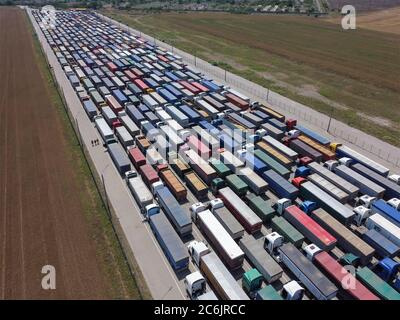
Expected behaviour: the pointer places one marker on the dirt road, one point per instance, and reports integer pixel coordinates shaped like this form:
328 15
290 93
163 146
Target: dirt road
42 219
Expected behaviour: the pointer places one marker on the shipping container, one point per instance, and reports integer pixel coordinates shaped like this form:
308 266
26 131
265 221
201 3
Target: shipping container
304 149
338 181
119 157
384 227
376 284
343 151
281 147
365 185
237 184
280 186
104 129
222 242
327 154
309 228
227 220
172 182
254 119
252 162
387 211
285 229
234 117
149 175
202 168
195 184
337 273
221 169
194 117
253 181
328 187
261 207
220 279
320 286
250 221
124 136
392 190
178 217
169 241
346 239
268 293
383 246
140 192
135 114
260 259
90 109
278 156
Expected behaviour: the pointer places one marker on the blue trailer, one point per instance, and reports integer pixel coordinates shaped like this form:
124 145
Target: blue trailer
383 246
169 241
277 124
261 115
119 157
178 116
149 130
176 214
209 127
174 91
210 85
194 117
171 75
135 114
392 190
281 187
121 98
167 95
313 135
256 164
386 210
90 109
151 83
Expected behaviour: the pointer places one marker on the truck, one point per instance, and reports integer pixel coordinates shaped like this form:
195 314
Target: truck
222 242
290 153
128 123
222 170
253 181
309 191
119 157
249 220
176 187
309 228
124 136
137 157
202 168
172 208
140 192
344 151
273 131
278 156
260 259
383 246
384 227
280 186
272 164
218 276
195 285
149 175
305 150
313 135
237 184
337 273
196 185
376 284
333 178
227 220
285 229
386 210
392 190
329 187
267 293
252 281
304 270
104 129
90 109
261 207
346 239
169 241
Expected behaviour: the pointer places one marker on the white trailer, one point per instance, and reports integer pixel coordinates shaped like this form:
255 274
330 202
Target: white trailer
104 129
384 227
257 184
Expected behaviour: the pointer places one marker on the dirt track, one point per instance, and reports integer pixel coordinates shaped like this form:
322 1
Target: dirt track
41 217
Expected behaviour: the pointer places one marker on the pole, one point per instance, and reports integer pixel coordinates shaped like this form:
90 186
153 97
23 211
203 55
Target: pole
330 120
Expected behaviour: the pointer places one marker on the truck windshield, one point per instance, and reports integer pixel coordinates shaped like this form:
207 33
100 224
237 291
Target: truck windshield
153 211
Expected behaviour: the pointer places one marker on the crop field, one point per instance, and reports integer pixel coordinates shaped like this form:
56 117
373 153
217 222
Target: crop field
49 211
353 75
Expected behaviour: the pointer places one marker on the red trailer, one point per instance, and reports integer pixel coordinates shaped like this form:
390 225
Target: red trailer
142 86
199 86
130 75
341 276
117 123
149 175
189 87
309 228
114 104
137 72
111 66
162 58
236 101
196 145
137 157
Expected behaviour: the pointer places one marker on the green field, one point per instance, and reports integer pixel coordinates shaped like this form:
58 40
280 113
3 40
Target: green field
353 75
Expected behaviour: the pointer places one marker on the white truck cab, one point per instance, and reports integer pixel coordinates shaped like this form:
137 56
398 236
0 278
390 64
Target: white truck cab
346 161
151 209
365 201
282 204
195 284
272 242
293 134
261 132
197 249
395 203
156 186
331 164
249 147
311 250
196 208
361 214
292 291
130 174
395 178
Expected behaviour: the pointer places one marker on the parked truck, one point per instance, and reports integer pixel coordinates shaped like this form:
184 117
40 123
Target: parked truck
104 129
384 227
228 221
119 157
280 186
140 192
329 187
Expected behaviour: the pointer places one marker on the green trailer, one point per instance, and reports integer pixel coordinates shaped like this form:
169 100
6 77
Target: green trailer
268 293
272 164
237 184
376 284
217 184
220 167
261 207
252 280
285 229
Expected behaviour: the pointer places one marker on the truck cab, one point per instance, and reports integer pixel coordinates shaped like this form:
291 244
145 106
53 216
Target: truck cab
331 165
195 284
395 178
308 206
249 147
282 204
156 186
252 281
365 201
361 214
293 134
217 184
388 270
196 208
261 132
311 251
150 210
130 174
346 161
292 291
272 242
395 203
196 250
